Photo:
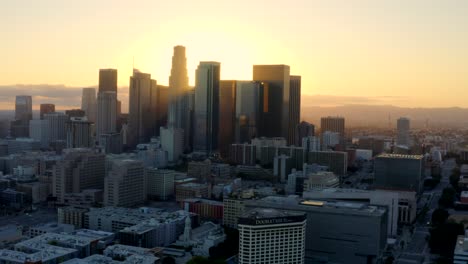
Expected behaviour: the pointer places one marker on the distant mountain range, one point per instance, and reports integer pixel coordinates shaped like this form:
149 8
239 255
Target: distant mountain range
386 115
358 110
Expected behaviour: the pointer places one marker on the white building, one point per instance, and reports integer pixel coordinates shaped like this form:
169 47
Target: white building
272 236
267 142
106 113
311 144
89 103
330 140
39 131
202 238
172 141
321 180
125 184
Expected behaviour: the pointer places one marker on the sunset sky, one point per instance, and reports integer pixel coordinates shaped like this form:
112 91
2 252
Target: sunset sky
400 52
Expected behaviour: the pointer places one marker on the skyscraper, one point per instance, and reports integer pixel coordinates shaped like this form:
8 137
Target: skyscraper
304 129
178 112
275 97
23 108
57 127
206 107
248 109
294 108
89 104
162 106
142 112
45 109
333 124
79 133
106 113
403 130
227 113
108 80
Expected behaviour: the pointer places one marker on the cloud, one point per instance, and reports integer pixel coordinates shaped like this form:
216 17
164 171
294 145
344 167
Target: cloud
337 100
64 97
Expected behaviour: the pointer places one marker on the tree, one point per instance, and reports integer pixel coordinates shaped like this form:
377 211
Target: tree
203 260
443 238
455 177
168 260
447 198
439 217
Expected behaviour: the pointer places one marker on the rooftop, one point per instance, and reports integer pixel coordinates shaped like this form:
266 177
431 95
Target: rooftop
400 156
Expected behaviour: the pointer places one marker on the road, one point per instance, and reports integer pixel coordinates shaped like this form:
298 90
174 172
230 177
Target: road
40 216
417 251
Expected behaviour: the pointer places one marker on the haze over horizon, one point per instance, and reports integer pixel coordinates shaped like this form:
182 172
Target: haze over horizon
402 53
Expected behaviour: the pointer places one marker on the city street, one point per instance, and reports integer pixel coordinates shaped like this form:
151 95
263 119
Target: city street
417 251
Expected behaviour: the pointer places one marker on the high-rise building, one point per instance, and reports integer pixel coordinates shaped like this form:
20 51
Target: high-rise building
272 236
179 112
330 140
227 112
160 183
23 108
39 131
79 131
333 124
311 144
294 108
57 126
162 106
46 109
142 111
106 113
89 103
23 114
111 143
336 161
107 80
124 186
243 154
75 113
403 131
401 172
172 141
275 96
304 129
80 169
206 107
248 110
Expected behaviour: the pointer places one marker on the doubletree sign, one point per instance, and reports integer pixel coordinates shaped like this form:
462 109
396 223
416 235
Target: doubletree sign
271 221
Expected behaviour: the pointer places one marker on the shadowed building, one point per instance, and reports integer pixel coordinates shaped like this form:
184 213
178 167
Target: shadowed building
178 112
142 112
294 108
275 96
206 107
46 109
108 80
89 103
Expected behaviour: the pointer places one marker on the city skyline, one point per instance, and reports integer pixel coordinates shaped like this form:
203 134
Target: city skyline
404 54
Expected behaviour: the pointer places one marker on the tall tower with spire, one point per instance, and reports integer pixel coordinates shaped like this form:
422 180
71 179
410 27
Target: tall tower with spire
178 112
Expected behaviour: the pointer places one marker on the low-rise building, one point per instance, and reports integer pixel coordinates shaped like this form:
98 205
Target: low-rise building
206 209
53 227
192 190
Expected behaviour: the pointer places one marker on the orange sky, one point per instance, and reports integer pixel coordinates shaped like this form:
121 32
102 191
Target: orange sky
413 53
